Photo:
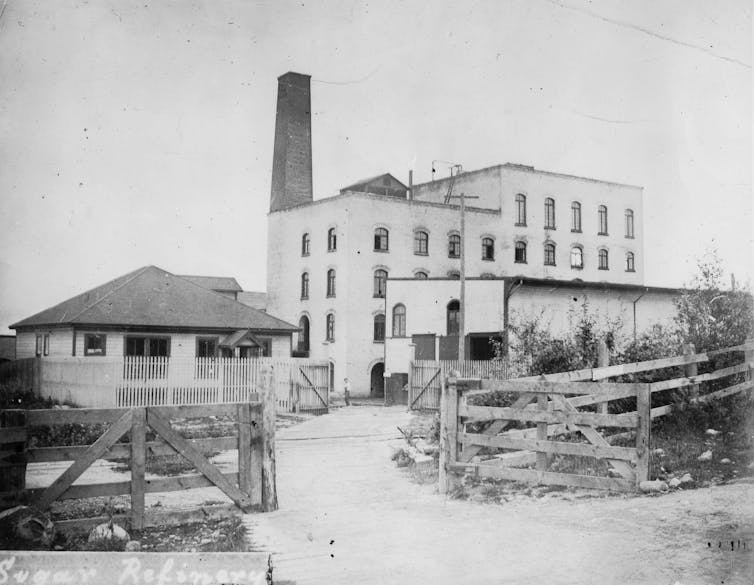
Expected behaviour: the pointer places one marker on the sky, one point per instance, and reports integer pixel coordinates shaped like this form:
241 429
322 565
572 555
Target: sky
136 133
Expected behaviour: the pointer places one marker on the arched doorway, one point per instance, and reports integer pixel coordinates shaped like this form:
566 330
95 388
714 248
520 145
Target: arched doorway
377 380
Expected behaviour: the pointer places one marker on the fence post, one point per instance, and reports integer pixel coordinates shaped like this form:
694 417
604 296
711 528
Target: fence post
749 356
690 370
603 360
542 436
643 430
448 431
138 465
269 400
245 470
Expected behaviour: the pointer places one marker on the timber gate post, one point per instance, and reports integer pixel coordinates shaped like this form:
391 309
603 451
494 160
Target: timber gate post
269 403
448 431
643 429
138 466
691 370
749 356
603 360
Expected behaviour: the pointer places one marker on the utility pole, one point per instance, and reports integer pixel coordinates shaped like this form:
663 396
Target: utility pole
462 309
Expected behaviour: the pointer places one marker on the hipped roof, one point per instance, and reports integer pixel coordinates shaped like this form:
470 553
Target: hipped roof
223 283
153 297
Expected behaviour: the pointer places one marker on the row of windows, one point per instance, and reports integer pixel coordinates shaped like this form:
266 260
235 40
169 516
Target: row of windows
575 216
520 257
577 257
95 344
398 325
380 241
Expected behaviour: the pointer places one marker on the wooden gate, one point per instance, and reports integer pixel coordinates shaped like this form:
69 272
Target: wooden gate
251 487
310 384
545 408
425 378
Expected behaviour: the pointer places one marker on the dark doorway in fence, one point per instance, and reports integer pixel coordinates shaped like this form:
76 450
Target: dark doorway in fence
377 380
481 345
331 374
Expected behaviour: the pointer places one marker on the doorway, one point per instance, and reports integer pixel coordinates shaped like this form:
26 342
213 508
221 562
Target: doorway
377 381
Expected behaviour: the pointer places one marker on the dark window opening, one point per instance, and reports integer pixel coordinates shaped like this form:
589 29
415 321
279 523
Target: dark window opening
488 249
381 240
379 328
453 325
549 213
454 246
399 321
520 253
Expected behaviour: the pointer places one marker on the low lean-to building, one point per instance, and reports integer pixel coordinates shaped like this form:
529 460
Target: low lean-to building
153 313
371 274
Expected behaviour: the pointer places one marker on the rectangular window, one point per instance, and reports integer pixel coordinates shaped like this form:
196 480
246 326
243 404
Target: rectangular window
206 347
549 213
46 344
38 349
95 344
143 346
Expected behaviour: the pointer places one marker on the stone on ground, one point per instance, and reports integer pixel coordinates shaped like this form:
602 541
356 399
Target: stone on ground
706 456
654 486
108 532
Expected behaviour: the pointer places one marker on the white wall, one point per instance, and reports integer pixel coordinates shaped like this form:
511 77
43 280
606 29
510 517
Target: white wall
60 342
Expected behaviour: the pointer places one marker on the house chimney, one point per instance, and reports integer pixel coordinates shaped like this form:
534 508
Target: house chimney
292 157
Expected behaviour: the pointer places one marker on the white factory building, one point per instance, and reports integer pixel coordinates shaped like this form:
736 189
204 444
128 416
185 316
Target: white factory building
370 275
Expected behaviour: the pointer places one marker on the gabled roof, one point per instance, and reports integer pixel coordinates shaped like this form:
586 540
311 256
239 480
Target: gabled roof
152 297
385 184
223 283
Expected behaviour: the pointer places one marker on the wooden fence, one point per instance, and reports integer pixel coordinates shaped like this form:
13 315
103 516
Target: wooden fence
251 487
425 378
300 384
549 406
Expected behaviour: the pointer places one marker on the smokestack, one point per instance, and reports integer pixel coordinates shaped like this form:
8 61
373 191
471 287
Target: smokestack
292 157
411 184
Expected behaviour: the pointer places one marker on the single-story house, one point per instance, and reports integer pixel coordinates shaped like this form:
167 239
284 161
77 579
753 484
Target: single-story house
151 312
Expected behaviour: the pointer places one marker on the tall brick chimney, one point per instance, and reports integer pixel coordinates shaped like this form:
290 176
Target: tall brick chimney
292 161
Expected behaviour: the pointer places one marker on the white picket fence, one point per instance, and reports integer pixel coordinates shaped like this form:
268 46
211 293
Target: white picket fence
300 384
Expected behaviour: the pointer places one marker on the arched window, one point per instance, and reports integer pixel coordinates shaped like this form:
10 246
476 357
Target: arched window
576 216
629 223
330 327
603 265
549 213
421 243
549 254
577 257
303 334
331 282
602 216
399 320
630 266
488 249
454 246
421 275
454 307
332 240
381 240
520 209
520 254
305 285
305 245
380 283
379 328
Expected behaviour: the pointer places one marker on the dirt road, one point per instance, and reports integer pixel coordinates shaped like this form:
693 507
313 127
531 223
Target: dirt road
348 515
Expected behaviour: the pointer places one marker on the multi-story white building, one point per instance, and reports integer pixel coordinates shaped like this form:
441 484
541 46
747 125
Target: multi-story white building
331 261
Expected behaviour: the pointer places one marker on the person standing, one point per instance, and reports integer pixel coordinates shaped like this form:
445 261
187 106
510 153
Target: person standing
347 391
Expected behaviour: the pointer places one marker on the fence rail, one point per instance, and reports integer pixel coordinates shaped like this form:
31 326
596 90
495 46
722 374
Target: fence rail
104 382
549 405
425 378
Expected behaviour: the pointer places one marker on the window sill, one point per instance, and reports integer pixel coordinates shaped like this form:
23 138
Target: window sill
550 227
600 268
333 250
329 340
577 268
421 253
520 262
629 237
575 231
329 296
488 259
519 224
454 257
304 298
378 296
602 233
381 251
631 270
305 255
546 264
378 341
